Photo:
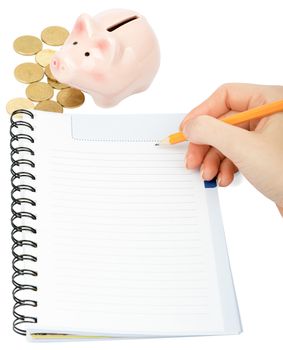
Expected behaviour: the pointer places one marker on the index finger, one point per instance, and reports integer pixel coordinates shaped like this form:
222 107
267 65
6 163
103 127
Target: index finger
234 96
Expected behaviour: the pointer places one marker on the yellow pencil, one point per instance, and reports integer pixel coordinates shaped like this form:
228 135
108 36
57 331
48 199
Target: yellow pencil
237 118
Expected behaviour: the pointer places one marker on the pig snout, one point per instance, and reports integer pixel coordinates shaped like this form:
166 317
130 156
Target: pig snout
56 64
61 69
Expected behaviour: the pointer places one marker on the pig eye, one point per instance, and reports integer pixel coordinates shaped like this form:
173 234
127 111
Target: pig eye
75 43
87 53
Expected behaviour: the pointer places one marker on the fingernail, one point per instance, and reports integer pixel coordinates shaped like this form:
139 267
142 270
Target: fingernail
218 180
201 171
186 164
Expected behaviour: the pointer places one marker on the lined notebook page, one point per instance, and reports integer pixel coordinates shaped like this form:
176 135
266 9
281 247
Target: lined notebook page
124 243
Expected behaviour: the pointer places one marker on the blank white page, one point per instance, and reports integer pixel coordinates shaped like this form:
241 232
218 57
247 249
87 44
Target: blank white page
124 239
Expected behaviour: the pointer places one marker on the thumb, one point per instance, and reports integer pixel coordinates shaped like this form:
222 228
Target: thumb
230 140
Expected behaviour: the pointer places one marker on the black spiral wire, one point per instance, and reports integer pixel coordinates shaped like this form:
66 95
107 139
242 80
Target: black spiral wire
19 230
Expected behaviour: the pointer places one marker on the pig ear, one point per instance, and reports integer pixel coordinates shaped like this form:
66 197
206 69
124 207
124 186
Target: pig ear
109 47
83 25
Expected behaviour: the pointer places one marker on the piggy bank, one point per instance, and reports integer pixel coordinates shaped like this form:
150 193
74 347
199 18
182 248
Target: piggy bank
110 56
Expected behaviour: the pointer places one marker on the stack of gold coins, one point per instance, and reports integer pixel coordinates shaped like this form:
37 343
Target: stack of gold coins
39 93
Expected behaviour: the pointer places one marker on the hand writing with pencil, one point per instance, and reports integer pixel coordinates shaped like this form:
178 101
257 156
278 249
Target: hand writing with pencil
254 147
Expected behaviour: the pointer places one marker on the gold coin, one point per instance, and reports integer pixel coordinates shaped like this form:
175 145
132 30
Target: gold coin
28 72
54 35
48 73
56 85
49 106
70 98
39 91
18 103
27 45
43 57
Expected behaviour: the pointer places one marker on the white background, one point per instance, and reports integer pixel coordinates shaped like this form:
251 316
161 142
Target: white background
203 44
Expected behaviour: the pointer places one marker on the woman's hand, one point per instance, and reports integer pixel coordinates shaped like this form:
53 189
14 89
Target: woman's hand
255 147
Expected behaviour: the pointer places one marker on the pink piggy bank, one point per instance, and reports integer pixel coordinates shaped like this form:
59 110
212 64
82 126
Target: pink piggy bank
111 56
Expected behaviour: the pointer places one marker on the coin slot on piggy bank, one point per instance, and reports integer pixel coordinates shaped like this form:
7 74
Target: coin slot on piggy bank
120 24
110 56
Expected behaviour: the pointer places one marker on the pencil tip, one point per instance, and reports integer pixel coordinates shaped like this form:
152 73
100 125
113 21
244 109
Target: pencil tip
163 142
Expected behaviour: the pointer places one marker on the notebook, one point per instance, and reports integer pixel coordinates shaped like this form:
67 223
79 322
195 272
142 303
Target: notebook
112 236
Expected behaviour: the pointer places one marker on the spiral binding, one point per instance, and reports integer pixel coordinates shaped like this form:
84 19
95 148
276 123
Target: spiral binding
17 150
